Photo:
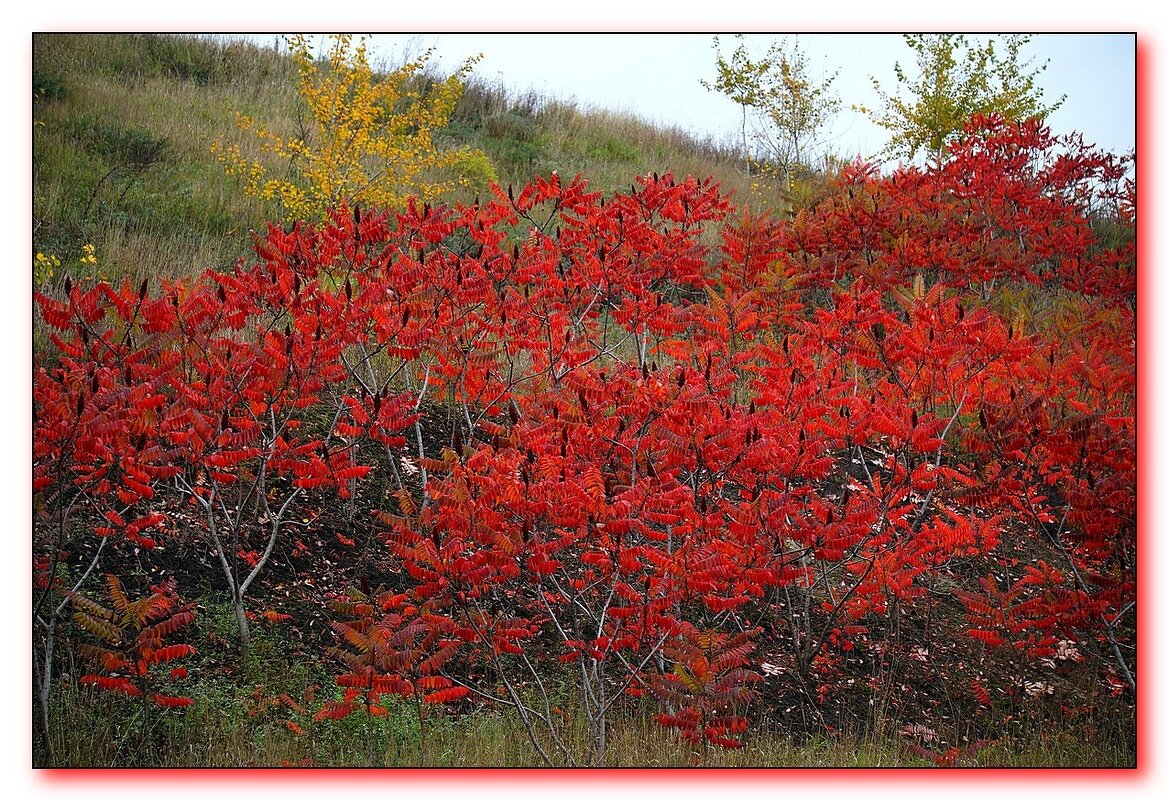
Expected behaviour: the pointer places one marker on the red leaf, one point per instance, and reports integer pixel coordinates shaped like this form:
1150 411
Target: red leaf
443 696
170 701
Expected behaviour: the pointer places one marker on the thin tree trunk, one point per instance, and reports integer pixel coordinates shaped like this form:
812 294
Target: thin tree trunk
746 152
241 619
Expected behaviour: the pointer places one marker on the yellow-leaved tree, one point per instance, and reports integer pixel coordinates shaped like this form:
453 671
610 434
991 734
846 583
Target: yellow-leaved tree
366 137
954 79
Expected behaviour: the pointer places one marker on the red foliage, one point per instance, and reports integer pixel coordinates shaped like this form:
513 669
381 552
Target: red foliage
658 442
131 635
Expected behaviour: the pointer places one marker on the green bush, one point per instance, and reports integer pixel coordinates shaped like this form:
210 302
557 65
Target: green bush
117 144
46 88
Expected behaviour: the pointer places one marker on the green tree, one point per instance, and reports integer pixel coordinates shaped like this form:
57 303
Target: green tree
742 80
790 108
954 80
796 108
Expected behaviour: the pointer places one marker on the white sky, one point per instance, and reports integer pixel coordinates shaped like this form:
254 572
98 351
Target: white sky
657 76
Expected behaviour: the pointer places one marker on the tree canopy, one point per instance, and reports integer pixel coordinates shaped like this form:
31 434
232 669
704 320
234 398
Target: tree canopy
952 80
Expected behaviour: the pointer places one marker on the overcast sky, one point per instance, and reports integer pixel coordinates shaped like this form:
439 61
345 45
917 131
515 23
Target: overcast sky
657 76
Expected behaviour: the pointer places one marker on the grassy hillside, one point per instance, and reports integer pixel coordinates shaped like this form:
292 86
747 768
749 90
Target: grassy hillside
123 126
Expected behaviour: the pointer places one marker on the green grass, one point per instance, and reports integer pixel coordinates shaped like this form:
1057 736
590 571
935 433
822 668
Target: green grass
526 134
121 154
228 727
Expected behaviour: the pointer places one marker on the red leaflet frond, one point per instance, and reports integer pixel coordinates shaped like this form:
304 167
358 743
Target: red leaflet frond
165 628
393 684
169 653
146 608
115 683
113 662
335 710
713 736
55 313
274 617
433 682
352 473
170 701
991 638
445 696
355 638
435 661
355 679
